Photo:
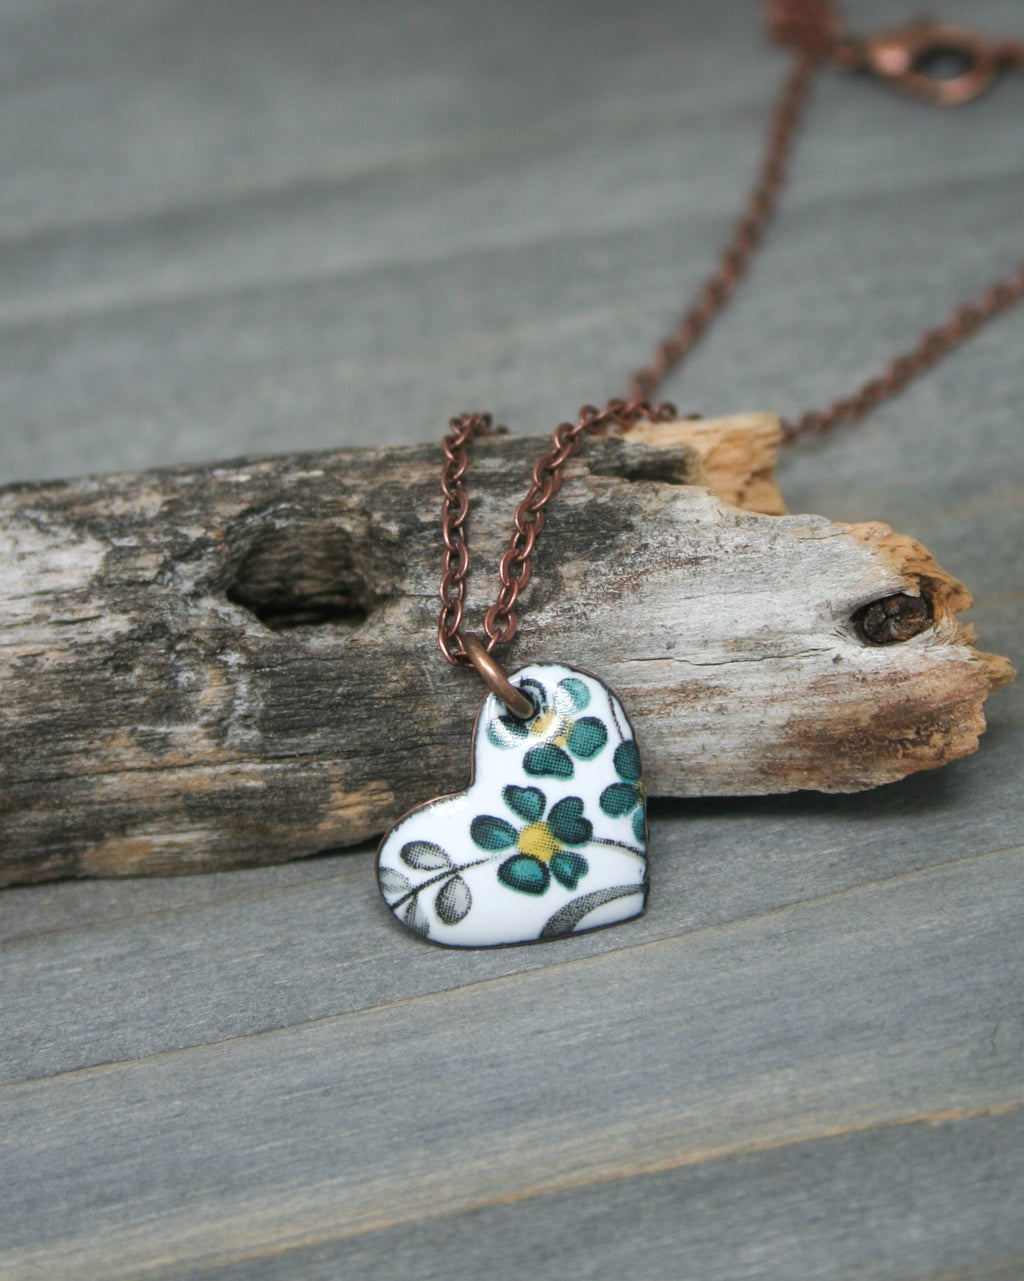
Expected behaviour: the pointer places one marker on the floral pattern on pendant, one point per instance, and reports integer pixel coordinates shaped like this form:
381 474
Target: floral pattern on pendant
627 795
550 837
555 738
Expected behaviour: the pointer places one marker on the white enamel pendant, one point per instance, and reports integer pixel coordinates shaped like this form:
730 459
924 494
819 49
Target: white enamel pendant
550 837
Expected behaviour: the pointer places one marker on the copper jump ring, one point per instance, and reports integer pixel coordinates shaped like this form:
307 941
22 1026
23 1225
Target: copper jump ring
496 681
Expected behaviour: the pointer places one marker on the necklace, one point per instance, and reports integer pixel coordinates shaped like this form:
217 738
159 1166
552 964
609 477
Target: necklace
550 838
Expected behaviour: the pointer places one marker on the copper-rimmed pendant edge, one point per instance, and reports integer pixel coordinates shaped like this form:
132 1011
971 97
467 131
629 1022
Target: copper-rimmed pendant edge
643 887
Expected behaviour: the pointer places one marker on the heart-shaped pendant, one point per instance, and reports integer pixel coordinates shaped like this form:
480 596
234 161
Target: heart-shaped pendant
550 837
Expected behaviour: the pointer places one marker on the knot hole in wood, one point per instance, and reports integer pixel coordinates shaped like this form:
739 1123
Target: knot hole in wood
308 574
894 619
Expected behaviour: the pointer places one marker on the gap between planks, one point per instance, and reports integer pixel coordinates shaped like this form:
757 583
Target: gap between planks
705 1156
325 1233
405 1002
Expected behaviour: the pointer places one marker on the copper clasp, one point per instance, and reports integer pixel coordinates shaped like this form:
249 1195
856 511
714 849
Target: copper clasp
912 57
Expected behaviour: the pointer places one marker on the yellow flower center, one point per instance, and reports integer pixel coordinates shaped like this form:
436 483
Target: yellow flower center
543 723
554 725
539 841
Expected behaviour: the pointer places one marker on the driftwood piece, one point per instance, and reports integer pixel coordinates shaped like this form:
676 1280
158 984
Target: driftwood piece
227 665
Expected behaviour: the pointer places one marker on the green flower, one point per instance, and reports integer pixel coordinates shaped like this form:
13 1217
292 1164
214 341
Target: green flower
562 736
539 845
620 799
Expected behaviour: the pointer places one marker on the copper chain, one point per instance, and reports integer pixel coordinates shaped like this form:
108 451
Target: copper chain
813 29
501 620
715 292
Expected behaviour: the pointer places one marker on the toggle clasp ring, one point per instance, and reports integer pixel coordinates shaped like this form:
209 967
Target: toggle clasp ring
903 56
496 681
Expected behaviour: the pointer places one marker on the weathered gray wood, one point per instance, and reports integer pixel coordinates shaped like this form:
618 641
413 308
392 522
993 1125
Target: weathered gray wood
260 253
921 1023
220 666
67 1006
874 1205
239 229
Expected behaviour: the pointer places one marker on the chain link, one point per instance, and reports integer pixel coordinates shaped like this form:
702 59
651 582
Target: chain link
514 568
929 349
812 28
716 291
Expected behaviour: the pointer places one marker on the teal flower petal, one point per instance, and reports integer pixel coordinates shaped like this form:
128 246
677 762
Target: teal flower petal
586 738
577 691
567 822
618 799
567 868
548 761
492 833
506 731
524 873
627 762
640 826
526 802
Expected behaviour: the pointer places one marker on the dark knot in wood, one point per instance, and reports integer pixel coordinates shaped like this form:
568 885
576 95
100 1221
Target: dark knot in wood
893 619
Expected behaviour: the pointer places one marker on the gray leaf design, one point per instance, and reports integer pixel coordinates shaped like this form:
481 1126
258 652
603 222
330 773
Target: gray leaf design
453 901
567 918
415 917
392 884
425 856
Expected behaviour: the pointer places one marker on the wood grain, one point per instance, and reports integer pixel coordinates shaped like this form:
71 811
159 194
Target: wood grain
214 667
545 1115
758 1213
267 227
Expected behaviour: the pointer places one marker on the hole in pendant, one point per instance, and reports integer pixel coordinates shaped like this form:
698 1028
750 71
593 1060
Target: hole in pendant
535 693
525 720
893 619
305 576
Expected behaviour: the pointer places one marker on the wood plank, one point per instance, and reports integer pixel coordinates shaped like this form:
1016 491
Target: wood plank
885 1005
67 1001
230 232
325 92
722 856
159 335
369 87
538 331
871 1204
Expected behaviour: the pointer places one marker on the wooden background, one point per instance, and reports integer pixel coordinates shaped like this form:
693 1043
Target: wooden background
266 225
